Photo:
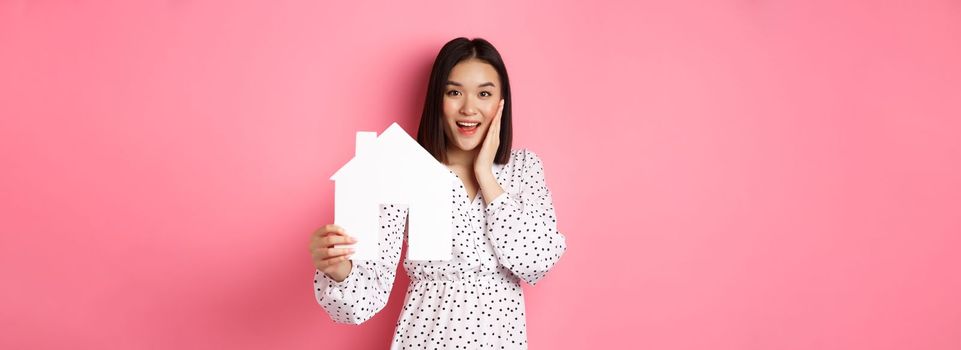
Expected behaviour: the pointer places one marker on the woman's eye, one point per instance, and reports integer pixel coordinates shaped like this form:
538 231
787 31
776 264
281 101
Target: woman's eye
485 93
453 93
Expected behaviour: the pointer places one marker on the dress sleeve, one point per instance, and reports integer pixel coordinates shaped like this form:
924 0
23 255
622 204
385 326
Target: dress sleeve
366 289
522 225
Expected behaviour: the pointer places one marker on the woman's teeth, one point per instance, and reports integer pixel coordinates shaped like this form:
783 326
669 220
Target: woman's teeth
467 128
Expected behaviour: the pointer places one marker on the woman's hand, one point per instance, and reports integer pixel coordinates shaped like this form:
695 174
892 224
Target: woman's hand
334 262
484 163
488 151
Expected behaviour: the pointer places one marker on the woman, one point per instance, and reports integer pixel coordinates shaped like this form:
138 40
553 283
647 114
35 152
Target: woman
505 229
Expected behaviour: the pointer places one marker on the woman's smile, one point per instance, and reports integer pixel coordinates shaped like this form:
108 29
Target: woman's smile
467 128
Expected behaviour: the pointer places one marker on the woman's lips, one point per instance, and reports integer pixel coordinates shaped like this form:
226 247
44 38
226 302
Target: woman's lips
466 128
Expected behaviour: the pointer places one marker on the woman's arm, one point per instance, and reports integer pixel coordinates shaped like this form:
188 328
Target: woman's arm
522 226
365 290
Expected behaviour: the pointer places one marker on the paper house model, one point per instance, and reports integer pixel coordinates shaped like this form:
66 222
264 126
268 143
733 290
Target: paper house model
394 169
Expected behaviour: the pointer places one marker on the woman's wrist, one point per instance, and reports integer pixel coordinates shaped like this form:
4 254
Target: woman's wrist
341 274
489 187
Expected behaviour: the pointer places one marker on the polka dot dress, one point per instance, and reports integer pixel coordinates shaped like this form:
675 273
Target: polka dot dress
473 301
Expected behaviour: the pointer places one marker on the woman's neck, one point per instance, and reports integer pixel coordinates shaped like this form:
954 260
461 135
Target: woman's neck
459 158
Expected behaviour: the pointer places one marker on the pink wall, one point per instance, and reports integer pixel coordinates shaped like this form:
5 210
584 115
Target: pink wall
729 174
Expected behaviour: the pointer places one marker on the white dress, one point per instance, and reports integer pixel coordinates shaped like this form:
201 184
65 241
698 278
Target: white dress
475 300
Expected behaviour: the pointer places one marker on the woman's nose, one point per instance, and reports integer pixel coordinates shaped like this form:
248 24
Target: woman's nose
468 108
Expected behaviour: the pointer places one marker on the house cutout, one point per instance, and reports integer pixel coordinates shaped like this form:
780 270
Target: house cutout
394 169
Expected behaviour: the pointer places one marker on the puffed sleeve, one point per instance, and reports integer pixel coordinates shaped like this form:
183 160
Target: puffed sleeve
366 289
522 225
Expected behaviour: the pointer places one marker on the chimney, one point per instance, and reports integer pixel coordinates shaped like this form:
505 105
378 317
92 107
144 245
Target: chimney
365 143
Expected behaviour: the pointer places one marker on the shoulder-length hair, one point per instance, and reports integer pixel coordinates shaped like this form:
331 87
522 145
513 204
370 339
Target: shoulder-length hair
430 134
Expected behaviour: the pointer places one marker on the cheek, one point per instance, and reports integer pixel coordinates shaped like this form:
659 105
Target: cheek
450 111
491 111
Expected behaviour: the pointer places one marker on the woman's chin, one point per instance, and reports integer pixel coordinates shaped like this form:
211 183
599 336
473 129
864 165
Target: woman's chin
465 146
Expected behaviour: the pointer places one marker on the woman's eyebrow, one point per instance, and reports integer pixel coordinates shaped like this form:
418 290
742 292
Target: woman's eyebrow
451 82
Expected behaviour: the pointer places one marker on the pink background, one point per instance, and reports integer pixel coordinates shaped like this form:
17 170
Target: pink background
729 174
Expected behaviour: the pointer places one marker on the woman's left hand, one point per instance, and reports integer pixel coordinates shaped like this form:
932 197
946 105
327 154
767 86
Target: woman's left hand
485 158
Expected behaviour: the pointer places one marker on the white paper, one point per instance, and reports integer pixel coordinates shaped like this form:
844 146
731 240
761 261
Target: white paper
394 169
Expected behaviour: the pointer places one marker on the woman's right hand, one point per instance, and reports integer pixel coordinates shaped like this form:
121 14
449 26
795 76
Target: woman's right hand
334 262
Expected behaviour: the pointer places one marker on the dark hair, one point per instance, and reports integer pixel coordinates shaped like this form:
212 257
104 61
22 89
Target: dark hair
430 134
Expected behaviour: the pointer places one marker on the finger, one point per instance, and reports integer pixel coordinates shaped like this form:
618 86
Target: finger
339 233
493 137
497 118
321 253
500 109
336 252
332 228
327 229
319 239
326 263
338 239
495 130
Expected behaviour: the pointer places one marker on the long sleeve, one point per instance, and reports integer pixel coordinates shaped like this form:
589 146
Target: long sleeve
366 289
522 225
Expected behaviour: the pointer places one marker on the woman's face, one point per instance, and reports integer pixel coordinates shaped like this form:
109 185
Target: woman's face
470 102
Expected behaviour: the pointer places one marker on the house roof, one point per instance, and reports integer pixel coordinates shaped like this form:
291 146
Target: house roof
396 147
